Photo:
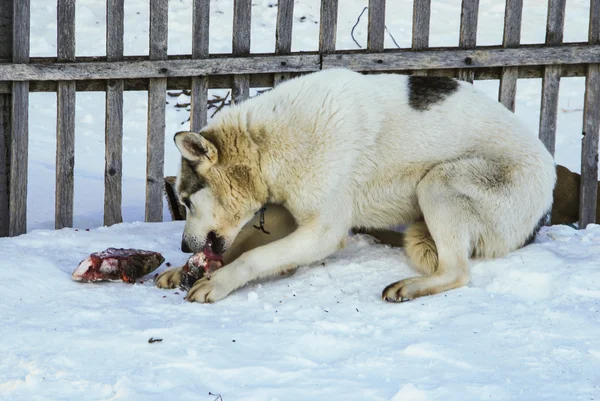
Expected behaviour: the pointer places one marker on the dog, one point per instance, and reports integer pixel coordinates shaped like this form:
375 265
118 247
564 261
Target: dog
339 150
565 210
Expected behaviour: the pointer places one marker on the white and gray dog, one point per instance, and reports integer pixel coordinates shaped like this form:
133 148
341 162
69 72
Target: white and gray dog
342 150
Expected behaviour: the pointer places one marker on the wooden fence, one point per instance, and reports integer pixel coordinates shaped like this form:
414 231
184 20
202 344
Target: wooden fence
66 74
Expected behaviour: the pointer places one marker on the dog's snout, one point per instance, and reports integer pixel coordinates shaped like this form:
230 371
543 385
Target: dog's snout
185 248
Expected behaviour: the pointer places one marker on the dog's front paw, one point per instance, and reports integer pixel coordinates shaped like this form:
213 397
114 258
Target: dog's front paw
209 290
169 279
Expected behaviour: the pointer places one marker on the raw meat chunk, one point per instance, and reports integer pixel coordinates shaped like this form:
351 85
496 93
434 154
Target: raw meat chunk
115 264
200 265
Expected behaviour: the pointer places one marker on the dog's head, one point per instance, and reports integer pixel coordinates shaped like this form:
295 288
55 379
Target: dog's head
219 186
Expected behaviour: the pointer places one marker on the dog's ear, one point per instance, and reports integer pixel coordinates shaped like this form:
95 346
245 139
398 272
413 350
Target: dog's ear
195 148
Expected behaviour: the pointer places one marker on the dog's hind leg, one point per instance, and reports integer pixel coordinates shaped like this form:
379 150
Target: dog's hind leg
420 248
441 248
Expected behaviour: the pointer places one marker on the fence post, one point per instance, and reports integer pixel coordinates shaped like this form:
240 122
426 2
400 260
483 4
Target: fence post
200 49
19 115
242 17
468 33
65 121
155 146
551 79
588 200
420 29
512 37
5 125
283 34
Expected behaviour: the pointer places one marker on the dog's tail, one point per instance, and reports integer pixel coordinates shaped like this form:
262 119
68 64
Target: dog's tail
421 248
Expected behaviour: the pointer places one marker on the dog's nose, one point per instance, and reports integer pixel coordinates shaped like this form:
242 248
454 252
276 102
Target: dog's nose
185 247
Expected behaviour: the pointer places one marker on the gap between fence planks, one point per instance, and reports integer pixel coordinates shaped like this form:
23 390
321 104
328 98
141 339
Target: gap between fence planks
65 121
242 14
113 136
155 147
591 128
20 129
512 37
200 49
283 34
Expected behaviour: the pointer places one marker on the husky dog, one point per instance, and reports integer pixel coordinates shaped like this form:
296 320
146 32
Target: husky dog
339 150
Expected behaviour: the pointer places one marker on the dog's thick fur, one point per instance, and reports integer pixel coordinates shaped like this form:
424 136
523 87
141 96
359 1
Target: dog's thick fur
339 150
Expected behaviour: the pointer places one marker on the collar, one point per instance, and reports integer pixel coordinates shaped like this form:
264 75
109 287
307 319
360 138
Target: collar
261 227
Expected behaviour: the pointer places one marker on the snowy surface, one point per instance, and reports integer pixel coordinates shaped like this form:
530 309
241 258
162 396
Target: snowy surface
526 328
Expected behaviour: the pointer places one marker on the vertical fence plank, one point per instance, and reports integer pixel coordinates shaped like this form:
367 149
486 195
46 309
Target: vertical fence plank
376 36
468 33
200 49
242 17
420 28
591 126
328 25
551 78
113 134
6 28
65 122
156 113
512 37
20 128
283 34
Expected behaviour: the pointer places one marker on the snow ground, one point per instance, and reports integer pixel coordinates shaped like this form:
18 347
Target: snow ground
526 328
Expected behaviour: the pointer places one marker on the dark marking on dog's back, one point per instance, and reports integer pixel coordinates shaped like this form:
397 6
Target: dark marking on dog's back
426 91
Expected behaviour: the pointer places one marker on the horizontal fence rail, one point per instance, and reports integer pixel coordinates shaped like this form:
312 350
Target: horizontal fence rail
392 60
239 71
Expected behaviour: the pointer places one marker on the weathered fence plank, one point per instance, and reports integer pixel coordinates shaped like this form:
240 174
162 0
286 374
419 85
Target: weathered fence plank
512 37
391 60
591 127
200 49
420 28
113 134
376 35
551 78
156 114
468 33
159 68
434 59
242 14
6 28
283 34
421 21
20 127
65 121
265 79
328 26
